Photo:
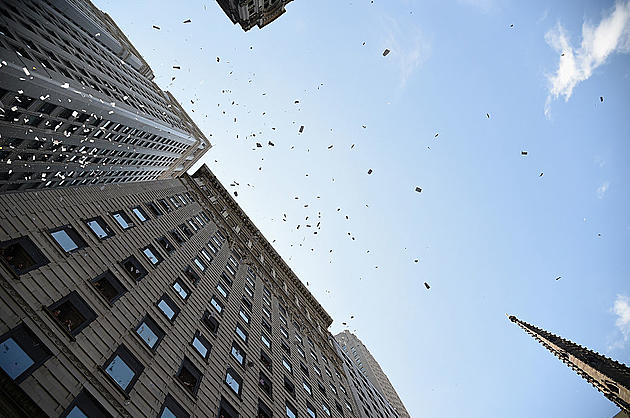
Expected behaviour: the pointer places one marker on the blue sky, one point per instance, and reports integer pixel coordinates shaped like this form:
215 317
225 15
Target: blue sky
489 232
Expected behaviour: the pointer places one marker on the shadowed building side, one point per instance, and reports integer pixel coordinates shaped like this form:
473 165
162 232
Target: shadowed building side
254 12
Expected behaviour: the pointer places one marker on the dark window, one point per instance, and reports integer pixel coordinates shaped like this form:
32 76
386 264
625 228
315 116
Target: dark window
84 405
189 376
247 303
182 290
72 313
172 409
266 326
289 386
123 368
123 219
304 369
286 348
265 360
154 209
134 269
152 255
165 205
265 383
322 389
168 307
238 353
108 286
234 381
177 237
186 230
263 410
166 245
99 227
339 408
68 239
310 410
226 410
150 332
22 255
21 352
192 276
210 321
226 279
202 345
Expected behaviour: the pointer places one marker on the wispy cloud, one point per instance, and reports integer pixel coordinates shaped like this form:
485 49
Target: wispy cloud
612 34
621 308
409 48
601 190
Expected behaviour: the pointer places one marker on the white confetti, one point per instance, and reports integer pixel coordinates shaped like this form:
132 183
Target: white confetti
65 85
26 71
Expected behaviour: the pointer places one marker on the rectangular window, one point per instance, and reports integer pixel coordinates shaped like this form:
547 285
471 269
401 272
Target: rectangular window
226 410
289 386
319 372
181 198
68 239
210 321
154 209
123 219
207 256
71 313
241 333
301 352
326 409
265 340
166 245
21 352
249 291
192 275
266 312
284 332
230 269
226 279
286 348
310 410
244 316
291 411
234 381
266 325
172 409
304 369
99 227
212 247
189 376
246 303
217 305
84 405
265 383
168 307
165 205
200 264
238 353
140 214
217 243
307 387
223 292
265 360
186 230
152 255
193 225
150 332
181 289
108 286
202 345
174 202
123 368
287 365
179 239
133 268
22 255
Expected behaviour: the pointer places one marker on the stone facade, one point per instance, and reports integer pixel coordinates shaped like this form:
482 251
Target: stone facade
253 12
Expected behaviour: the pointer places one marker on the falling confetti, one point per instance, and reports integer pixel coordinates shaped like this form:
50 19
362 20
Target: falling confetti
386 52
187 21
156 27
418 189
427 285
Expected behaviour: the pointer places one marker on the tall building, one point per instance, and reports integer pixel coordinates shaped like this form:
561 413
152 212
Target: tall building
253 12
366 364
606 375
78 105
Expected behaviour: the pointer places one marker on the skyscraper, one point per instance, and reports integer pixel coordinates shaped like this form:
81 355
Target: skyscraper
253 12
78 104
367 365
606 375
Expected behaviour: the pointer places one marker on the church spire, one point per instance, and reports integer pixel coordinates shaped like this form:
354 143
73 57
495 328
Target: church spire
606 375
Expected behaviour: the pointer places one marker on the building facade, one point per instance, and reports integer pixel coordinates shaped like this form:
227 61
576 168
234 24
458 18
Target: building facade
78 105
366 365
606 375
253 12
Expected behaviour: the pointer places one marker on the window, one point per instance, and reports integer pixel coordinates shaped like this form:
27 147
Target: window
321 387
207 256
313 355
165 205
287 365
286 348
238 353
132 266
265 383
265 340
307 387
181 198
246 303
230 269
202 345
226 410
124 368
326 369
217 305
310 410
149 331
71 313
284 332
181 289
186 230
140 214
241 333
193 225
123 219
249 291
298 338
319 373
289 386
263 410
348 406
168 307
300 352
189 376
153 208
333 388
166 245
291 411
108 286
152 255
171 409
68 239
21 352
84 405
99 227
226 279
244 315
304 369
234 381
210 321
265 360
174 202
200 264
177 237
223 292
192 276
326 409
266 312
22 255
212 248
338 407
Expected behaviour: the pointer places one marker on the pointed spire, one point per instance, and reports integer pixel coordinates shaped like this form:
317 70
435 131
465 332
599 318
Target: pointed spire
606 375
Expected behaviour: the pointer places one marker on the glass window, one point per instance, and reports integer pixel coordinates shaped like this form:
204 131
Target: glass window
149 331
13 359
182 290
230 269
22 255
326 408
166 245
189 376
241 333
154 209
265 360
200 264
140 214
265 383
234 381
266 312
172 409
168 307
152 255
238 353
287 365
84 405
217 305
284 332
249 291
192 275
108 286
210 321
244 316
123 368
291 411
221 290
265 340
310 410
99 227
68 239
202 345
132 266
177 237
207 256
71 313
301 352
123 219
165 205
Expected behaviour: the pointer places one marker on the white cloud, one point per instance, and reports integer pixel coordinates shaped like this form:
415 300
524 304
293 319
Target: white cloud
409 48
612 34
621 308
601 190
